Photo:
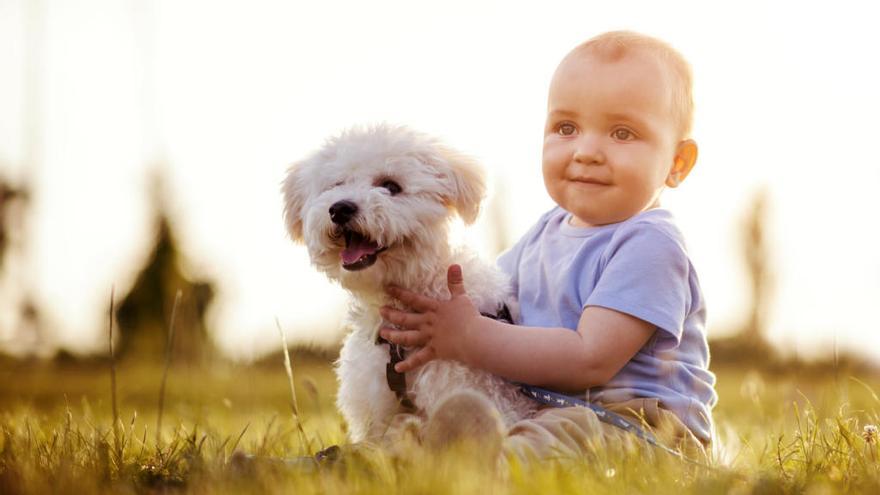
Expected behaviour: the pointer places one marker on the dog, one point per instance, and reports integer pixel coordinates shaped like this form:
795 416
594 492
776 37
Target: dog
373 207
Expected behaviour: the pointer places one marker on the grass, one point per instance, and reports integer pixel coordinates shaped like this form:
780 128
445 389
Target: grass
797 431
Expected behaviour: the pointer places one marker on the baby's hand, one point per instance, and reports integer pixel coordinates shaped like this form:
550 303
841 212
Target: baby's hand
439 327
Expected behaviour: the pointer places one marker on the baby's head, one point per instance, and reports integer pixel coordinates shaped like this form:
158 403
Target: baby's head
619 116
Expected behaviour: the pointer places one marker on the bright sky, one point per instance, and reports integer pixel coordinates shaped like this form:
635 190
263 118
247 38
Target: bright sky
231 92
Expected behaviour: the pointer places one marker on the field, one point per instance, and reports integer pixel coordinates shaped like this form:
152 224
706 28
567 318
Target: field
798 429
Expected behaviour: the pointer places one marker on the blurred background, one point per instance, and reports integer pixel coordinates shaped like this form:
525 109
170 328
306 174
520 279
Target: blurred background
142 147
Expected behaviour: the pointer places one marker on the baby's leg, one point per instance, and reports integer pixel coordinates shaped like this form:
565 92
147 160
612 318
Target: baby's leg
578 432
559 432
666 427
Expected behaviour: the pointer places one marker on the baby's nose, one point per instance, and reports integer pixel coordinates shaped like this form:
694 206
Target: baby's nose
588 150
342 211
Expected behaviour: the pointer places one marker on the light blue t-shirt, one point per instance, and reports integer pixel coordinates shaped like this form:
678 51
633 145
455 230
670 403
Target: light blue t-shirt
638 267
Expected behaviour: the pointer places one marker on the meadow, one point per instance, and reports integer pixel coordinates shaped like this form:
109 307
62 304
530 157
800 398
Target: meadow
229 428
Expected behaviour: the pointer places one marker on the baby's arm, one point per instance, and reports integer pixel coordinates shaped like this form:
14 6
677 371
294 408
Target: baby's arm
556 358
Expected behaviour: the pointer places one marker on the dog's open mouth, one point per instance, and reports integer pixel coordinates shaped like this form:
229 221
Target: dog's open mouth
360 252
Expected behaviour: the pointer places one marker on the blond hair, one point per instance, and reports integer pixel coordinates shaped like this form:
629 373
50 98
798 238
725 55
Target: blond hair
614 45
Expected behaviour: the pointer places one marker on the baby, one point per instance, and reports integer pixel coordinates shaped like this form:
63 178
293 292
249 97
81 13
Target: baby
611 307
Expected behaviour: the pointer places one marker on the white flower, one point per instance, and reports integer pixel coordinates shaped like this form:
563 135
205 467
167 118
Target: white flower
870 433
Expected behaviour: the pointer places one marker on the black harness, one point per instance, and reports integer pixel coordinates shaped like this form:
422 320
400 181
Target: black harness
397 380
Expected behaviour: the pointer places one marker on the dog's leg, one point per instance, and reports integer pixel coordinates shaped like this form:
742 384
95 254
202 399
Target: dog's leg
366 402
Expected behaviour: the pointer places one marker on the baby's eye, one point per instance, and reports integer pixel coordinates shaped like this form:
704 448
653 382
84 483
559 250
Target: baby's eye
565 129
623 134
393 187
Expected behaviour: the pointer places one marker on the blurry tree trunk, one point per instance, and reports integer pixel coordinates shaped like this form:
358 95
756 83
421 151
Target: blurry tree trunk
757 253
7 196
30 336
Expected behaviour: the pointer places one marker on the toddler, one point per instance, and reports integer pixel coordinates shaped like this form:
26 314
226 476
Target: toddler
611 307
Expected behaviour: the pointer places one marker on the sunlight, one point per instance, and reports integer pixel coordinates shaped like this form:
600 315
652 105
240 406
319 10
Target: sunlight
225 96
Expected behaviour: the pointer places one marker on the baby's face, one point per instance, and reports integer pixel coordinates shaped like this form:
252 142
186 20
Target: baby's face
610 139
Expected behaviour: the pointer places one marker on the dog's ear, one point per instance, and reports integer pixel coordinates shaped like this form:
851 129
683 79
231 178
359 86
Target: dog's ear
468 184
294 191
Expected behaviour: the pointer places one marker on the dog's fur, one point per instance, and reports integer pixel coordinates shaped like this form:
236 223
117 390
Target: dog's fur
410 248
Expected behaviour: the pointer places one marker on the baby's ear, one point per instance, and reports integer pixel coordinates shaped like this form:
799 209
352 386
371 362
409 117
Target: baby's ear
683 163
467 184
295 193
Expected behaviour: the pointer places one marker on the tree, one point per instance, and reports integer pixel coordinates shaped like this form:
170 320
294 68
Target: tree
145 312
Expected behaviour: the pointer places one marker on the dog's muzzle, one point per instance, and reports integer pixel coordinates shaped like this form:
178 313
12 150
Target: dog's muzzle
360 251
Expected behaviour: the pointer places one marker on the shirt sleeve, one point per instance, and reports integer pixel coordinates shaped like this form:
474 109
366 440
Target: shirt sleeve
508 261
646 275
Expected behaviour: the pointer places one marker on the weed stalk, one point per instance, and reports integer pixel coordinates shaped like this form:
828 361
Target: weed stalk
169 348
287 366
116 444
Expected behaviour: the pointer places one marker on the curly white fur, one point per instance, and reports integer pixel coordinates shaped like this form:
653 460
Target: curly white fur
412 226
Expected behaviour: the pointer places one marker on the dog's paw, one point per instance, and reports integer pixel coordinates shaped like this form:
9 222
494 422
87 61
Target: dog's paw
466 417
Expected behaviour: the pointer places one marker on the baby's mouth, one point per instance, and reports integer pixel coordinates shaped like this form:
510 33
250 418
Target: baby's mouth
360 251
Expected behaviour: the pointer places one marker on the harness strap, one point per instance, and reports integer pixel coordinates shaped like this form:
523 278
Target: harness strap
502 315
396 380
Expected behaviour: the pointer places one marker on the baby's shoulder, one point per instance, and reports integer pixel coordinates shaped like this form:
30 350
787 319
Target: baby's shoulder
654 231
555 214
547 225
652 223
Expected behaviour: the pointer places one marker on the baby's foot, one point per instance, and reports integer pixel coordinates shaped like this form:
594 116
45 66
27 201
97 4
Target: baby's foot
465 416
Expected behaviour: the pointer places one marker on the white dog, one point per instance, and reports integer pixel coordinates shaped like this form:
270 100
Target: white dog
373 207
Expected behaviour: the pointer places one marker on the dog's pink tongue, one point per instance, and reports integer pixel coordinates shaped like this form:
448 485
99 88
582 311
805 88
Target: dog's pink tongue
358 250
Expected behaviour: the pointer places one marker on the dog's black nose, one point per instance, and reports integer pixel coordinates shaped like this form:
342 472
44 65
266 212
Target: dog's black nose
342 211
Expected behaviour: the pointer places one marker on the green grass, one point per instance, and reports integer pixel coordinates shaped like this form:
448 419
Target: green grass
798 431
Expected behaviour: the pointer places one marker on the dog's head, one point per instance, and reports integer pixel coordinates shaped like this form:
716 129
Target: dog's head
372 198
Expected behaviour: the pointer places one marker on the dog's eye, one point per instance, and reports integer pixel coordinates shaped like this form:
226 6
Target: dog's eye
334 185
393 187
